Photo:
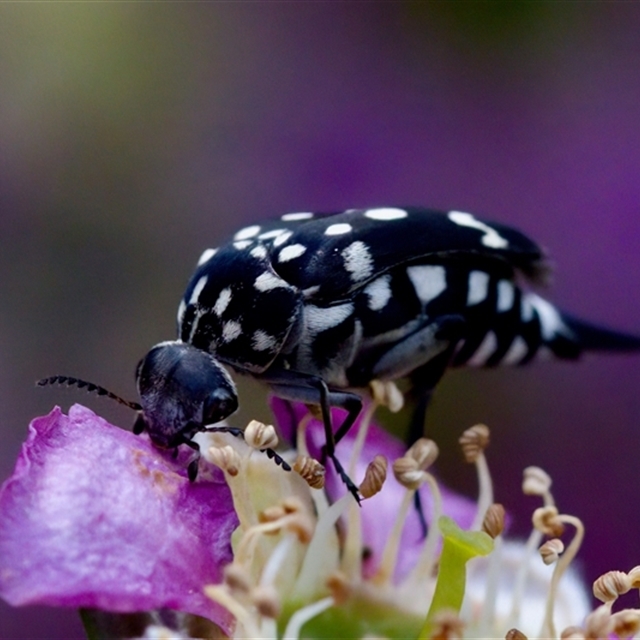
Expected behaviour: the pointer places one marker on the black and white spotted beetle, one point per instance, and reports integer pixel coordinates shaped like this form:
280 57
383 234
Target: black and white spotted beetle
317 305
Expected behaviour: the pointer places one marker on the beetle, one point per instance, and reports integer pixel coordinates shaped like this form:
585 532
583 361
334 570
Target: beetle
318 305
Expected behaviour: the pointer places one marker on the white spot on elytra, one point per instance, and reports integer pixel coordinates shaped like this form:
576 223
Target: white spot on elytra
207 254
319 319
290 217
267 281
274 233
551 323
242 244
262 341
428 280
197 290
379 292
231 330
506 295
387 213
282 238
259 252
291 252
247 232
516 352
478 287
182 307
486 349
358 261
338 229
491 237
526 308
222 302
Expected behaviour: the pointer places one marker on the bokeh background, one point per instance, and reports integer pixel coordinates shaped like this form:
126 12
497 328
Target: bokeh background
134 135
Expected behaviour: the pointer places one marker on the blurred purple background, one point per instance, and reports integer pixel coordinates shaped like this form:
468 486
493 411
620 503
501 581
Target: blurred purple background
133 136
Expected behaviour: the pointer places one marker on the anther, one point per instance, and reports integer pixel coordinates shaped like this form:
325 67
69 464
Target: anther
474 441
573 633
536 481
551 550
515 634
547 521
626 623
634 577
292 504
387 394
302 526
374 477
237 578
598 623
339 586
424 452
610 585
407 473
271 514
266 600
493 522
260 436
227 458
312 471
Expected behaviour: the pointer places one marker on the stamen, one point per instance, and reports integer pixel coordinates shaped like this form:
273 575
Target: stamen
473 442
266 601
219 593
374 477
408 473
547 521
515 634
560 567
260 436
598 623
237 578
340 587
573 633
424 452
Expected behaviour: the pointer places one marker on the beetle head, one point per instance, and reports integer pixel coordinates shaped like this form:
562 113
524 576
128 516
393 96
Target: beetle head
182 390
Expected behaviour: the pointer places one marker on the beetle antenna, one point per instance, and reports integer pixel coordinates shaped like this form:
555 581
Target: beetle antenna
89 386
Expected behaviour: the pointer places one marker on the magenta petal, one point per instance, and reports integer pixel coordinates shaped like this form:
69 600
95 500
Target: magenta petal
94 516
379 512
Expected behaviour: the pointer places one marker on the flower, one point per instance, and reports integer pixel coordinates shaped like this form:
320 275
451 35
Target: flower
96 517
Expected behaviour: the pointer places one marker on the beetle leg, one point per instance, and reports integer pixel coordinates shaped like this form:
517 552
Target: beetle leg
291 385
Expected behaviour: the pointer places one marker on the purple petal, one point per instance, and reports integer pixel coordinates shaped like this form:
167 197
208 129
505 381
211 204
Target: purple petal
94 516
379 512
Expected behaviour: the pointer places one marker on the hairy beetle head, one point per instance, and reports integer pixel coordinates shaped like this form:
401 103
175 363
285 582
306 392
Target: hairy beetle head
182 390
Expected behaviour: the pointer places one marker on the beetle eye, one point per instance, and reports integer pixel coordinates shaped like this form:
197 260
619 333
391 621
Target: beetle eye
218 405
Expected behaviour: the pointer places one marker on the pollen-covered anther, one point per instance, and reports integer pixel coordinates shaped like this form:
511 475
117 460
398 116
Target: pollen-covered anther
493 522
610 585
237 578
374 477
447 625
551 550
340 587
424 452
266 600
536 481
626 623
260 436
515 634
227 458
547 521
474 441
407 473
387 394
312 471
